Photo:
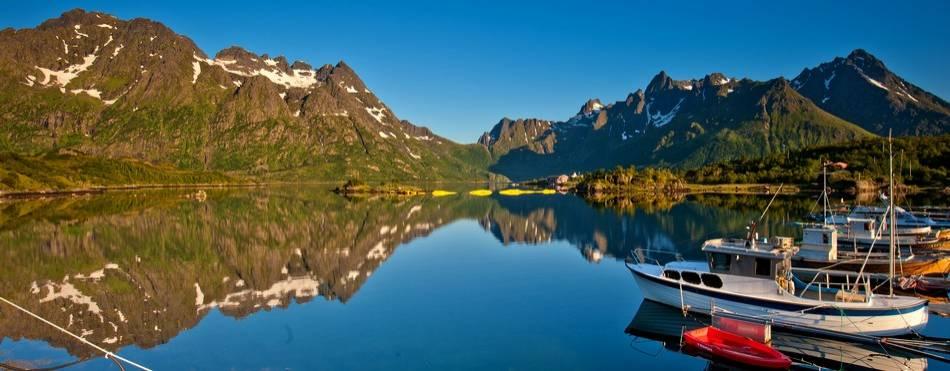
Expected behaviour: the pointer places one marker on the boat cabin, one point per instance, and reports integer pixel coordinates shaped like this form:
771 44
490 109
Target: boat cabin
741 257
820 242
862 227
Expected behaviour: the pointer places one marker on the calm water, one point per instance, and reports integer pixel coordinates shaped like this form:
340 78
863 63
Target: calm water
289 278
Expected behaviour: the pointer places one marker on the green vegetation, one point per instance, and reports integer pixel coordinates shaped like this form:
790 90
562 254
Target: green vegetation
920 161
627 180
53 172
357 188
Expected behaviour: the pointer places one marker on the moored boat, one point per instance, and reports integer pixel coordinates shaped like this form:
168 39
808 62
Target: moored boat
754 280
864 234
821 248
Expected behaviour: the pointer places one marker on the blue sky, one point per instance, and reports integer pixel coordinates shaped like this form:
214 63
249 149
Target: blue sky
460 66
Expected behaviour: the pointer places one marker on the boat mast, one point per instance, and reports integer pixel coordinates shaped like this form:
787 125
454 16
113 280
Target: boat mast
824 190
890 155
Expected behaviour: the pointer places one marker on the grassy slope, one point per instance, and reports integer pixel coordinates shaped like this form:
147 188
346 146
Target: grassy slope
57 172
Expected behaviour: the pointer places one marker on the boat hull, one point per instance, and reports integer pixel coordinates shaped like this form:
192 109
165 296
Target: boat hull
889 323
881 244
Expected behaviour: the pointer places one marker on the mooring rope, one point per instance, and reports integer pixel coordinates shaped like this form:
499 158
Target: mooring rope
107 353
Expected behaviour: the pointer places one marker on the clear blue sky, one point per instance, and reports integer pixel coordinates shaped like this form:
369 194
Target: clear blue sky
459 66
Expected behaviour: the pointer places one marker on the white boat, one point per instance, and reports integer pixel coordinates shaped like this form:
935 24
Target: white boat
821 247
754 280
905 220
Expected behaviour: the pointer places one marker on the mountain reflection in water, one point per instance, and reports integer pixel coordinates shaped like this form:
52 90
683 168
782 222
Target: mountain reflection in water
140 268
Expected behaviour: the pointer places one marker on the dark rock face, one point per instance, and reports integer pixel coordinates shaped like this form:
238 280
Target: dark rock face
862 90
134 88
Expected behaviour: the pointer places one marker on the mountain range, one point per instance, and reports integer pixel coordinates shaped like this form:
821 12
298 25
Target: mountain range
88 84
693 122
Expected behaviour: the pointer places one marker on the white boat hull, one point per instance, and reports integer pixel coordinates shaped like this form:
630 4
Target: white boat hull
879 325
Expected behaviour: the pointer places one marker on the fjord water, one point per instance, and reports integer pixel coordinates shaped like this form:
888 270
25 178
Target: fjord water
300 278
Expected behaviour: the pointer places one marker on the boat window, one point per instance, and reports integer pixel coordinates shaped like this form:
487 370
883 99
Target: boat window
673 275
691 277
712 280
763 267
824 238
720 261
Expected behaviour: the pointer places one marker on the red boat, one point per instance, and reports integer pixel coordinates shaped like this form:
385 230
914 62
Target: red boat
735 348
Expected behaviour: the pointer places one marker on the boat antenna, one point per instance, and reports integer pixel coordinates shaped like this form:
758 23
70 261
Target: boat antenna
756 223
890 155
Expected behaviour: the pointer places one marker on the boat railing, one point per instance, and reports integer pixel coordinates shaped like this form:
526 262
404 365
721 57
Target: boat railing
640 256
838 291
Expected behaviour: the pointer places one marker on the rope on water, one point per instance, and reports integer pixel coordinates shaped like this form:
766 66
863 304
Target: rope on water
107 353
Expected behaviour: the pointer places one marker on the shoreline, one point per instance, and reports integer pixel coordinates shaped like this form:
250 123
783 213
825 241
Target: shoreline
40 194
732 188
25 195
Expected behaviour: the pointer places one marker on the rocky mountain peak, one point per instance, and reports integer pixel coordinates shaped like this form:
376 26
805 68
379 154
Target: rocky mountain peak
716 79
868 64
591 106
236 53
660 82
634 98
301 65
859 88
72 17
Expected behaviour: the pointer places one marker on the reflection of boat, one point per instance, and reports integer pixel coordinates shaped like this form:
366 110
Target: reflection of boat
665 324
480 192
732 347
519 192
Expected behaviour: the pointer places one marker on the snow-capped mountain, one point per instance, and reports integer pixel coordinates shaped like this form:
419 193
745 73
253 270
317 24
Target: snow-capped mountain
96 84
860 89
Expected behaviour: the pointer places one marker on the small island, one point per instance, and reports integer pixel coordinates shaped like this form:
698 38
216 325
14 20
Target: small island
360 188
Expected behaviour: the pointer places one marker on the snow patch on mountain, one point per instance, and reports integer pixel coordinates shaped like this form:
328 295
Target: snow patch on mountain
875 83
298 78
197 71
90 92
413 155
659 119
62 78
829 79
378 113
906 94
